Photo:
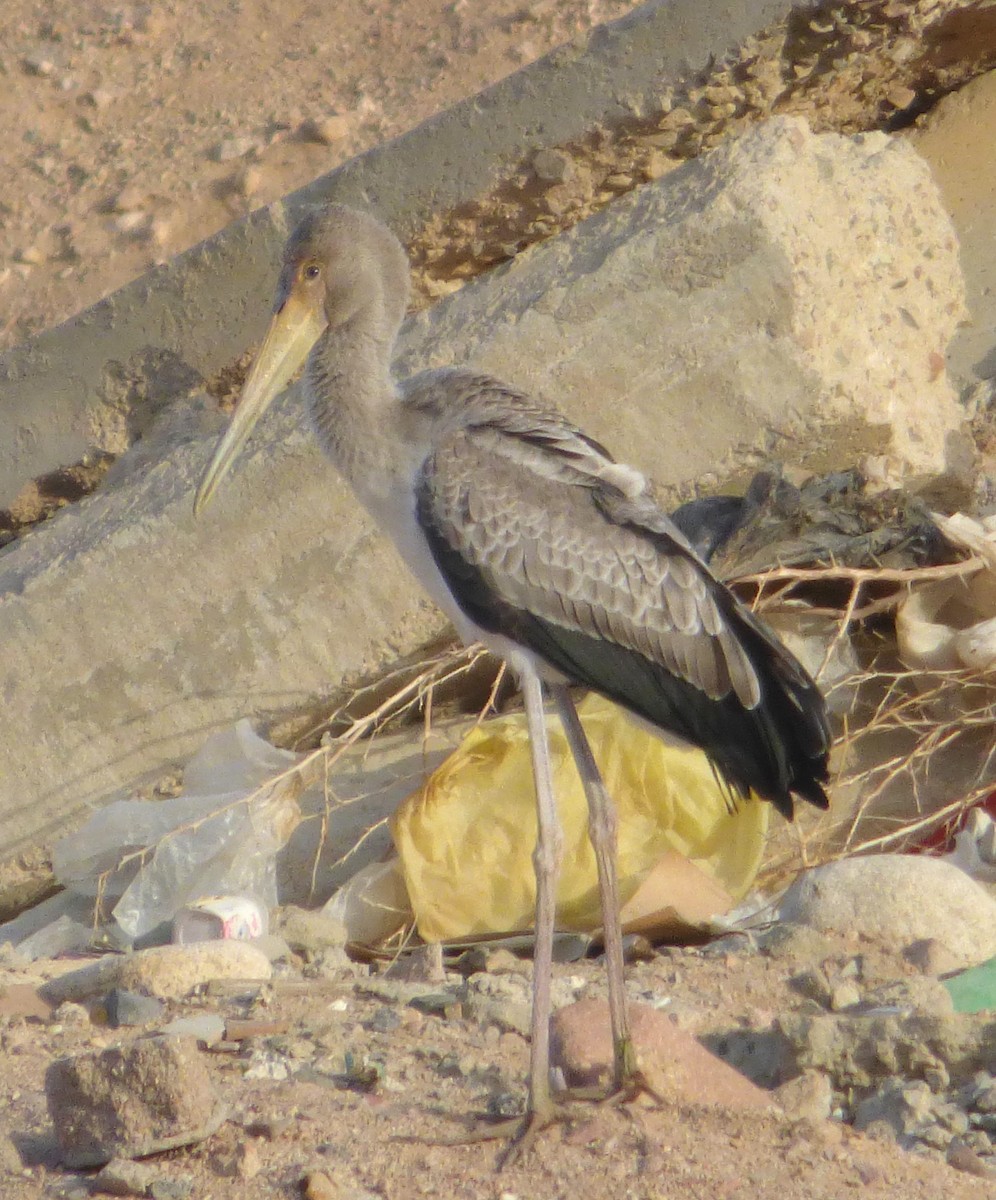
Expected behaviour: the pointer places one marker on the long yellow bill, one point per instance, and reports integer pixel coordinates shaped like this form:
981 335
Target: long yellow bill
296 326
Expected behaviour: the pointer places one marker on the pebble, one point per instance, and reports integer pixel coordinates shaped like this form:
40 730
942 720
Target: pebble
422 964
246 181
844 995
316 1185
324 130
270 1128
807 1097
241 1162
123 1177
129 222
984 1095
920 994
38 63
384 1020
177 1187
129 1008
131 1101
31 256
99 98
963 1158
208 1028
931 957
307 932
232 148
69 1013
553 166
127 199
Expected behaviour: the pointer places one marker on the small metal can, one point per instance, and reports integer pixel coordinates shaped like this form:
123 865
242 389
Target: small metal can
215 917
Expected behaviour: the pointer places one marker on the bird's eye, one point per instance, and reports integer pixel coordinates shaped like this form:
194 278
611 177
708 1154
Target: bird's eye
312 271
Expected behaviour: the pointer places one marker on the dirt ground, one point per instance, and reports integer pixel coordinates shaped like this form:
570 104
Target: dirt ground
134 131
293 1113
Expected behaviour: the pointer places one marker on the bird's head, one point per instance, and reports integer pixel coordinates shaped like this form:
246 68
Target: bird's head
341 268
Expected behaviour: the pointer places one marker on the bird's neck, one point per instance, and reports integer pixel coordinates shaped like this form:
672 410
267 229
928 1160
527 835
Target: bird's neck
353 399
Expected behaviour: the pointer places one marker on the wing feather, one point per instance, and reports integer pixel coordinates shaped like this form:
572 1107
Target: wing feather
542 538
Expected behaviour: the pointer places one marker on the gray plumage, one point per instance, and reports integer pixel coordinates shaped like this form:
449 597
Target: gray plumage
535 541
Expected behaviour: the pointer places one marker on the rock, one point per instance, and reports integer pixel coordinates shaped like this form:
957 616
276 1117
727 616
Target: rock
897 899
902 1106
844 995
122 1177
984 1096
814 984
553 166
232 148
99 98
502 1000
422 964
273 946
176 1187
307 932
931 957
70 1013
32 256
129 1008
963 1158
38 62
795 944
674 1062
946 136
240 1162
316 1185
384 1020
923 995
807 1097
246 181
128 199
324 130
173 972
10 1157
130 1101
861 1051
206 1028
170 972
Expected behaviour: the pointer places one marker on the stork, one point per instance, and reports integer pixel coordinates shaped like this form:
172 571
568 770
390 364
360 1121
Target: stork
536 542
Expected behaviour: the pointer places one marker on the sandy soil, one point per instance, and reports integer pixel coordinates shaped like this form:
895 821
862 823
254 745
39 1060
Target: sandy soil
136 130
293 1113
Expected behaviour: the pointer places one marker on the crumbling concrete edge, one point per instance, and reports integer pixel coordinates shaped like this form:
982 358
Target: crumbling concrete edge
61 392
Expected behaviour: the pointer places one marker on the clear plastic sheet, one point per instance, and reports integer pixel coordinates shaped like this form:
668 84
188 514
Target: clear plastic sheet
219 837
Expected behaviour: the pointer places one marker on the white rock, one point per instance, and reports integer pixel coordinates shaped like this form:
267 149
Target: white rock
898 899
170 972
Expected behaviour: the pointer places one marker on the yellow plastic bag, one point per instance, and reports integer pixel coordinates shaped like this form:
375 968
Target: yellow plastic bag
466 839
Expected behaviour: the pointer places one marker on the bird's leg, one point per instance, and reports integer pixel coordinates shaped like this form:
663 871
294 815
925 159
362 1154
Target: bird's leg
546 863
542 1109
602 831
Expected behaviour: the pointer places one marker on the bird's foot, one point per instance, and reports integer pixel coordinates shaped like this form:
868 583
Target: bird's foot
521 1132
